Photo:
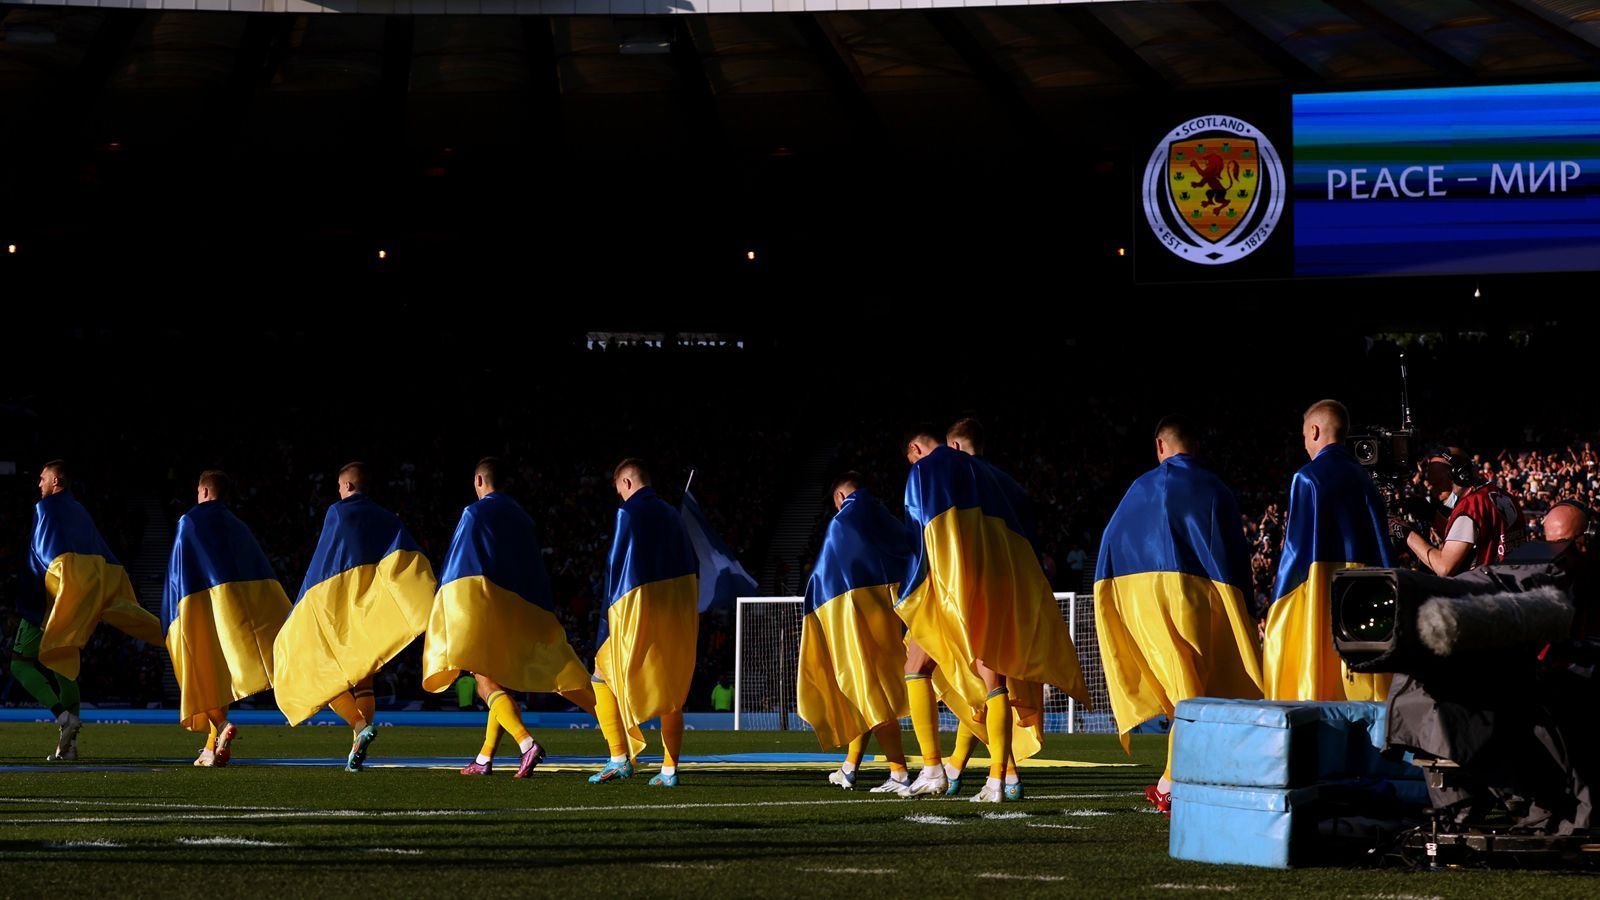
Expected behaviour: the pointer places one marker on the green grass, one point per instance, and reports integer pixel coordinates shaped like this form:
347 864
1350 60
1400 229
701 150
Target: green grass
720 834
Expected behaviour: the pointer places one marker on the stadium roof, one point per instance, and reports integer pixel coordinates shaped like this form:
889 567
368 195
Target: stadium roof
673 141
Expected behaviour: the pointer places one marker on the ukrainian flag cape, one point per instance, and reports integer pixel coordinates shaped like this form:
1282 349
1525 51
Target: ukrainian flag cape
494 614
367 594
1336 521
82 582
222 610
1171 596
976 592
646 645
852 653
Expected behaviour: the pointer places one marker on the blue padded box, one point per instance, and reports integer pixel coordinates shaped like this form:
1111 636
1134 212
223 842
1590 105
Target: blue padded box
1280 828
1286 744
1243 826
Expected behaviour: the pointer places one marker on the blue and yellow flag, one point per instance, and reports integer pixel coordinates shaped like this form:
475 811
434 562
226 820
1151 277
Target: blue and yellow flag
80 584
1171 593
222 610
852 649
494 614
367 594
977 591
646 646
1336 521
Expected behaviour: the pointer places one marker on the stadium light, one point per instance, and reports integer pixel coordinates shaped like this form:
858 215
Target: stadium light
750 255
383 254
11 249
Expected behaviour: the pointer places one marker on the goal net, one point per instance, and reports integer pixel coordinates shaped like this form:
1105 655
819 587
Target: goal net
767 652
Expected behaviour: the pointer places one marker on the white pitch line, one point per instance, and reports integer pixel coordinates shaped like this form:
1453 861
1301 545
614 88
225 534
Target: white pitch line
251 817
228 842
85 845
1006 815
855 871
1086 812
932 820
394 850
1194 887
295 812
1007 876
1049 825
685 865
135 804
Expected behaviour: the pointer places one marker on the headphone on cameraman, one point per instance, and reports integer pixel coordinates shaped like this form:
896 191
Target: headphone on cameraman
1591 528
1463 470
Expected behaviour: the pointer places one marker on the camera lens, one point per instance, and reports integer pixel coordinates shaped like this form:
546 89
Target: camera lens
1366 451
1366 609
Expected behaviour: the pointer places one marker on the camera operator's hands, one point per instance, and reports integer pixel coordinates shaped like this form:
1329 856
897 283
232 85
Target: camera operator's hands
1419 509
1400 529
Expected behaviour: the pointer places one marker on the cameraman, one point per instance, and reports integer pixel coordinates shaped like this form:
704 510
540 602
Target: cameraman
1480 523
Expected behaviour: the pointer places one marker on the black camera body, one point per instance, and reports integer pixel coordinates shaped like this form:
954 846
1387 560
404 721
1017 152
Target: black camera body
1390 457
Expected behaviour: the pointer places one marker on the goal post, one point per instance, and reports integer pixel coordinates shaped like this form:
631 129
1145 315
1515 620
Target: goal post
766 653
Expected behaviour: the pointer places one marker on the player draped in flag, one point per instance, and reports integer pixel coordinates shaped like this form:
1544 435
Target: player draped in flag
74 584
367 594
980 612
494 616
1336 521
223 609
966 435
645 649
852 651
1173 594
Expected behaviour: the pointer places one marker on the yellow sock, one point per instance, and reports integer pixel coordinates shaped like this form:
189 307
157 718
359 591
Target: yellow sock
924 717
609 715
365 701
211 739
999 722
345 706
858 749
889 738
671 739
491 737
1166 774
965 740
504 709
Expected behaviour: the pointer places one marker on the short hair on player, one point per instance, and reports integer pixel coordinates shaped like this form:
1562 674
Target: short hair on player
851 479
968 431
1179 431
217 482
490 468
634 468
356 474
58 466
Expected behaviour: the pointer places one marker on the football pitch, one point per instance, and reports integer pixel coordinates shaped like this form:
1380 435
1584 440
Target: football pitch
134 818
